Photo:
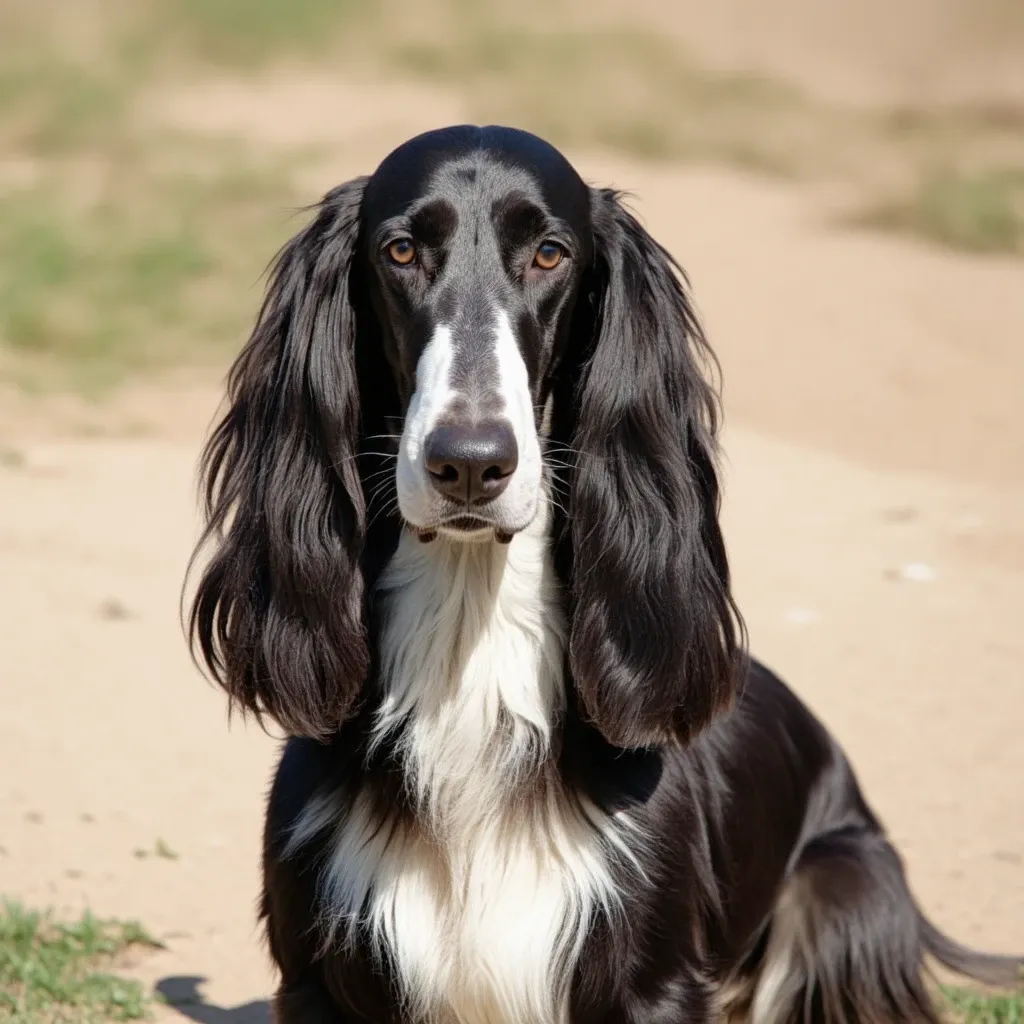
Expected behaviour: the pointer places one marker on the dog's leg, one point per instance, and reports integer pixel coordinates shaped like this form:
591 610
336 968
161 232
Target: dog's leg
690 999
307 1003
844 941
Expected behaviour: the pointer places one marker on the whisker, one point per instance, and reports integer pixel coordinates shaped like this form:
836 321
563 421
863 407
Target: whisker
560 501
567 450
552 503
378 491
385 511
557 482
383 499
361 455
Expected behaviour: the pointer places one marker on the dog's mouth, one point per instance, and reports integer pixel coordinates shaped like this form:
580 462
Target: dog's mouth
466 524
463 527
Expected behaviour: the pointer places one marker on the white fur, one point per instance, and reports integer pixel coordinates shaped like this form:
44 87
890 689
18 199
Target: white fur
482 903
433 395
770 996
788 961
521 497
417 500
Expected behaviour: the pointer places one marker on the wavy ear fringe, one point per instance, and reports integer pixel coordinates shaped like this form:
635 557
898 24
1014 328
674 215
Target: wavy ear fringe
278 615
656 642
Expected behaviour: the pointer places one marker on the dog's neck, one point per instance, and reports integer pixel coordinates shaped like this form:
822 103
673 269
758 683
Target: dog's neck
472 650
472 644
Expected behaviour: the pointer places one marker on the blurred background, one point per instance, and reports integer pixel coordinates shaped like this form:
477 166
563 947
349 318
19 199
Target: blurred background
844 183
150 146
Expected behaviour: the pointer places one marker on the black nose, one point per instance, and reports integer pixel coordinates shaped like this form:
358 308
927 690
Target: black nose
471 463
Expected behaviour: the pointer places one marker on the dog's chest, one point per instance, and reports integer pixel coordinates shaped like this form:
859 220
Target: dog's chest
482 900
487 930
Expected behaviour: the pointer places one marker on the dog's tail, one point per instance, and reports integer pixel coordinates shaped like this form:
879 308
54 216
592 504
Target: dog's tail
988 968
847 943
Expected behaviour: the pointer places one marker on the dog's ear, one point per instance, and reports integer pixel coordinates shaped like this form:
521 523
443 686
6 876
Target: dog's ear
278 615
656 641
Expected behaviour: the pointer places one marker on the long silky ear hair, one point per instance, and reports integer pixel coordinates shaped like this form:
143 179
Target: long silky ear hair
278 614
656 642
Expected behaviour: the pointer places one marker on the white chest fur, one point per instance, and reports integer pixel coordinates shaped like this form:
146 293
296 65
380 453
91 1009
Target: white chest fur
482 904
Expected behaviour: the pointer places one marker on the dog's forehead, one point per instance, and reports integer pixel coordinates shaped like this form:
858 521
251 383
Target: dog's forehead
480 176
467 163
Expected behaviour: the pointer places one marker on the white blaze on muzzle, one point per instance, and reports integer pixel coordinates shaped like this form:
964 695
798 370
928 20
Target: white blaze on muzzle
439 398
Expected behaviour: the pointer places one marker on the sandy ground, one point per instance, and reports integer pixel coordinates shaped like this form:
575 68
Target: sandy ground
874 510
868 53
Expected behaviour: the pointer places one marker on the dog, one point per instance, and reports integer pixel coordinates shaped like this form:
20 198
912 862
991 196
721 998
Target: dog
463 548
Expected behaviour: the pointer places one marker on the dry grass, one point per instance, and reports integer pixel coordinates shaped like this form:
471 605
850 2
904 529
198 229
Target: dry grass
980 212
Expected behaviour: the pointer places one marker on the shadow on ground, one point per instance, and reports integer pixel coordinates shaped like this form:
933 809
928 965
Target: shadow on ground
183 996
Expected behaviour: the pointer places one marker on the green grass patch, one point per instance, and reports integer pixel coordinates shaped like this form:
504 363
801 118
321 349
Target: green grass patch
161 269
91 286
59 96
11 458
966 1006
980 212
60 973
161 848
49 106
248 33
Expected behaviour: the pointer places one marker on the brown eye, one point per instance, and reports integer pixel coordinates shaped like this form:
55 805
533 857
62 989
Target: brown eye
548 255
402 252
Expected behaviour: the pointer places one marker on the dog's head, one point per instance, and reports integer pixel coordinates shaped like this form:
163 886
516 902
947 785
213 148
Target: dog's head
464 335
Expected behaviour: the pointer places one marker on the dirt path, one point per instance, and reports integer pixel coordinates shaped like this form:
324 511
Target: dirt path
875 512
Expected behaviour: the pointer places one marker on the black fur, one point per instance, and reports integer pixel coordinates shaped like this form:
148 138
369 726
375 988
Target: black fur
751 830
648 666
279 616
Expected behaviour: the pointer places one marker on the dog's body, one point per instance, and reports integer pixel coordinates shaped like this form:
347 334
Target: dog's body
533 779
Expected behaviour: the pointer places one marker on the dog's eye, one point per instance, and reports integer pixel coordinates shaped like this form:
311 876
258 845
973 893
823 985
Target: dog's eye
402 252
548 255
